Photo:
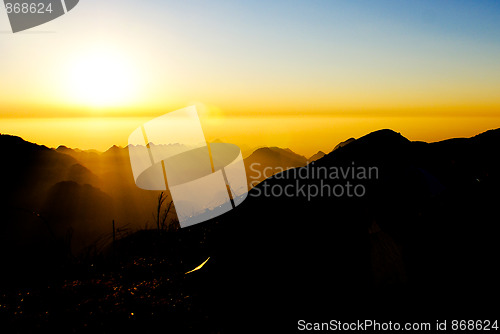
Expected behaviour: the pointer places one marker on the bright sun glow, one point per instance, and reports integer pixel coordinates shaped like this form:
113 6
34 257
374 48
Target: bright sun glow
102 79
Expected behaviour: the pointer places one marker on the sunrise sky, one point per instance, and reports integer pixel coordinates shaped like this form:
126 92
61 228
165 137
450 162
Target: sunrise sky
298 74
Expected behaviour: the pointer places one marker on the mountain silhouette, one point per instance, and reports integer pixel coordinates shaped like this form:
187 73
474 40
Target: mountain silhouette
344 143
27 166
418 239
267 161
316 156
88 210
53 184
424 227
82 175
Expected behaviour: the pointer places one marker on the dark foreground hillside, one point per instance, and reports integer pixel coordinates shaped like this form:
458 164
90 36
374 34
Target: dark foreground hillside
420 243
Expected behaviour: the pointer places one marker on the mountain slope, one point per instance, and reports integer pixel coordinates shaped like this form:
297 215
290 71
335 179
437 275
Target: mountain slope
316 156
267 161
424 226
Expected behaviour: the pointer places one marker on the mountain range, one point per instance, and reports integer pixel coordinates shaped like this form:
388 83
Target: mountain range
424 229
424 224
83 191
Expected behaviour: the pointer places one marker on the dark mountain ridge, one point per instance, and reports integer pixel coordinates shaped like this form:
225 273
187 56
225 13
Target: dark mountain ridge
424 227
316 156
420 241
267 161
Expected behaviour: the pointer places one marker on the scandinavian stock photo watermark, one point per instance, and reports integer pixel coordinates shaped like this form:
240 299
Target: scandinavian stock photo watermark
204 179
333 181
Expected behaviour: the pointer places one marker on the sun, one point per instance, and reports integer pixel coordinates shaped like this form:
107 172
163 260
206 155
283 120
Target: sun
102 78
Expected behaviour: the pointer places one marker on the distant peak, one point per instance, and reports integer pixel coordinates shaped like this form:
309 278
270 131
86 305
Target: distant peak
279 149
62 148
344 143
262 150
114 149
280 153
384 136
216 141
316 156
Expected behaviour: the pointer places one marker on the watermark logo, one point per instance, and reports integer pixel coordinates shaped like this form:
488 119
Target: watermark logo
171 153
310 182
26 14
